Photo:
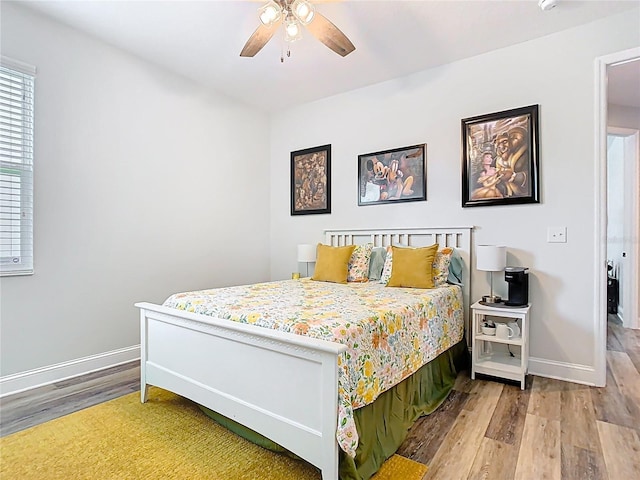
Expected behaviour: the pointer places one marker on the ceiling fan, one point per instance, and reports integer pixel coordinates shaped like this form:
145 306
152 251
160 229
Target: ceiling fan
294 14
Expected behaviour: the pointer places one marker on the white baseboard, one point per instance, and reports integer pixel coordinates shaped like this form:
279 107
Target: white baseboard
569 372
19 382
22 381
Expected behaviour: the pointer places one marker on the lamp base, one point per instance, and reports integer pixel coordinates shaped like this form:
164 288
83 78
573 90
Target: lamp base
491 299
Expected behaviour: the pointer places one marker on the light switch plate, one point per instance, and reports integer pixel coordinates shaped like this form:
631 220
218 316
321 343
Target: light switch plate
557 234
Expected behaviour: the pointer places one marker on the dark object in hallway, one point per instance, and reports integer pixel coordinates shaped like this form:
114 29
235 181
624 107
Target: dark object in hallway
612 295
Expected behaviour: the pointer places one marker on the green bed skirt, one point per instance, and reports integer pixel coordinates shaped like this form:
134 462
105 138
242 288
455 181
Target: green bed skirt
400 406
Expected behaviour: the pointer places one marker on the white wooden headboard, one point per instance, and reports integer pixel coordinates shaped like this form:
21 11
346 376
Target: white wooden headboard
456 237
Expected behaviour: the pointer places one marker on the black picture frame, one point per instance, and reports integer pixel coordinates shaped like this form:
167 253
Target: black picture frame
311 181
393 176
510 139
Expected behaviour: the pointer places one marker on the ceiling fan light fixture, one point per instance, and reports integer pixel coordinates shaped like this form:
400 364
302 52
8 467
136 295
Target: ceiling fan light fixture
303 10
547 4
269 13
292 30
294 15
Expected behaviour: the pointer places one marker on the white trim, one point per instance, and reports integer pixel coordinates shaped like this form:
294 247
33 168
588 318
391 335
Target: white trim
632 247
600 240
17 65
19 382
600 231
397 230
568 372
628 311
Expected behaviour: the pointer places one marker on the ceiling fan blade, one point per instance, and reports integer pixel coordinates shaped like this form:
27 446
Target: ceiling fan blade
330 35
258 39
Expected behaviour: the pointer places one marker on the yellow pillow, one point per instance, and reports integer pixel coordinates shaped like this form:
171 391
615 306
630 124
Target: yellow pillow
332 264
412 267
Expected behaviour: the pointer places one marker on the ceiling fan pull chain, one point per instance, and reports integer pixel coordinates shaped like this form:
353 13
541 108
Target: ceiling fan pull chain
288 46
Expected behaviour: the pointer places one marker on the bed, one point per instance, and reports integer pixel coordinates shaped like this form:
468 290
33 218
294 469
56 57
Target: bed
293 386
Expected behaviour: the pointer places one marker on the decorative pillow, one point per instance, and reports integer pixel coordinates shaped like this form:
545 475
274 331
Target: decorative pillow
359 263
386 269
441 266
412 267
455 268
376 263
332 264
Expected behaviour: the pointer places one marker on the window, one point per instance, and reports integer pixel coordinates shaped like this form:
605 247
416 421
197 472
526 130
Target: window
16 167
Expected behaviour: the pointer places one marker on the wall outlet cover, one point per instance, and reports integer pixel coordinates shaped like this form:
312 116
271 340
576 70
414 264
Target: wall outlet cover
557 234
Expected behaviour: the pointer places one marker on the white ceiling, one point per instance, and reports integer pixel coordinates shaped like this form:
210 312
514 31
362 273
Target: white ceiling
623 86
202 39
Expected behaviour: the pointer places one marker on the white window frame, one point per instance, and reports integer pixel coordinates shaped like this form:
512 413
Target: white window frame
16 168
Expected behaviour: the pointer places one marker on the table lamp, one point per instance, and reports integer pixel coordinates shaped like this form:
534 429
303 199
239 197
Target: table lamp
491 258
306 254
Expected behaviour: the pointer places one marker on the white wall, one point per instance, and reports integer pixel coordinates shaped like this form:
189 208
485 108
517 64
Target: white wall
556 72
145 184
615 202
622 197
623 116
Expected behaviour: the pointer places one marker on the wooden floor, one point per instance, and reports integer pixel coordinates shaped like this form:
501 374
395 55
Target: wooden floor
551 430
485 429
26 409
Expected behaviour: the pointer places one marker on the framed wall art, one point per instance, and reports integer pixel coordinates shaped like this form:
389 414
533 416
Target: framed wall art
311 181
392 176
500 158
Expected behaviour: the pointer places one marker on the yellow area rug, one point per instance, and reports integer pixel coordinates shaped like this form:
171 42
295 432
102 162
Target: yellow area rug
166 438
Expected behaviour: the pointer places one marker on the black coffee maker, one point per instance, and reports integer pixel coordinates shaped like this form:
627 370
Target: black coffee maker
518 280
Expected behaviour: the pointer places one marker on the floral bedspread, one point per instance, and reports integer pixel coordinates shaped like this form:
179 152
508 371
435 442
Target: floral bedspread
390 332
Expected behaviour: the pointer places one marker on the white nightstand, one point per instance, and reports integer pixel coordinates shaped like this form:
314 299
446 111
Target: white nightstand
500 363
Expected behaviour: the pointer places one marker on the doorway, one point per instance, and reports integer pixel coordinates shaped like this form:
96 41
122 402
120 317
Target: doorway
622 221
610 70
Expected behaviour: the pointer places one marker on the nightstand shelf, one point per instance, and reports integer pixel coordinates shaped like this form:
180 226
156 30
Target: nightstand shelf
512 365
493 338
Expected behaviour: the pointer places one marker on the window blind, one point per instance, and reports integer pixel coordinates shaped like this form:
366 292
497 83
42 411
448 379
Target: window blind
16 170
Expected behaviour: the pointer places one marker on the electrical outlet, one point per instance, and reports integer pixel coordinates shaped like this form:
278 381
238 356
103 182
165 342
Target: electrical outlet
557 234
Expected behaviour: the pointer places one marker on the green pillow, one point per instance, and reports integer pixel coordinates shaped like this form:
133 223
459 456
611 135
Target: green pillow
376 263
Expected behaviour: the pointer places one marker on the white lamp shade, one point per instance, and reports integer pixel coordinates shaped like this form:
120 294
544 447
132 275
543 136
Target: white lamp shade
306 253
491 258
292 29
270 13
303 11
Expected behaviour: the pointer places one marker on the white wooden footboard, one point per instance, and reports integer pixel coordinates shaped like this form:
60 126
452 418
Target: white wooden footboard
281 385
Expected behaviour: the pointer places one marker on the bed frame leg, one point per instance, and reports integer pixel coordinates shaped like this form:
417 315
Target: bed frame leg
144 388
144 392
328 475
330 469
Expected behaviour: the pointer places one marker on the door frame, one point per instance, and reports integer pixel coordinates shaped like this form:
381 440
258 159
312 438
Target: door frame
600 230
630 276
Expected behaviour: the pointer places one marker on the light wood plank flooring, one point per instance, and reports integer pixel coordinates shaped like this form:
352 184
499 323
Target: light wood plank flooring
485 430
552 430
26 409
